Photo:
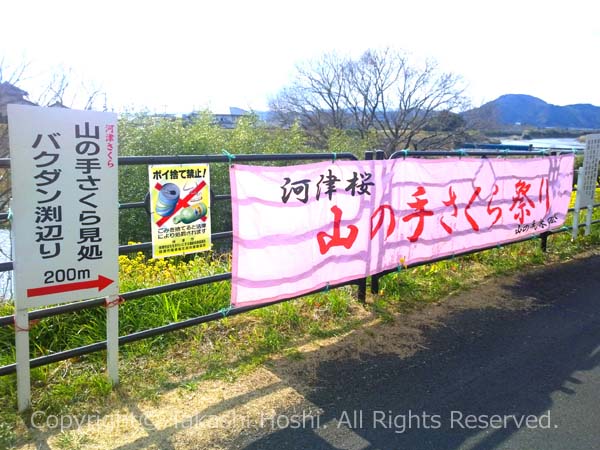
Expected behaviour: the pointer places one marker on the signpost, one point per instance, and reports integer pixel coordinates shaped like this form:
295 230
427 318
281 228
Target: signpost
65 218
586 183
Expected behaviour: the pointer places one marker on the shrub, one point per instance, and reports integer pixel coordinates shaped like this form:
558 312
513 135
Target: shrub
143 135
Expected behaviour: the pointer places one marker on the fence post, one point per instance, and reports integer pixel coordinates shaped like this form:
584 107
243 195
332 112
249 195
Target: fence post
379 155
362 283
112 338
588 219
578 202
375 284
544 241
362 290
22 351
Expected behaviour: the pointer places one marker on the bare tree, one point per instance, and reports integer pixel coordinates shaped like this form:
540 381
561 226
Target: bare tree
412 102
366 80
381 90
12 74
315 98
58 90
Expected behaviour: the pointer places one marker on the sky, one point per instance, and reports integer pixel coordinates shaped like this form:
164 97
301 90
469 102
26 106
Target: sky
177 56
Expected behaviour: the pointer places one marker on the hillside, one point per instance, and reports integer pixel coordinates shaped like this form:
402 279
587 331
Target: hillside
521 109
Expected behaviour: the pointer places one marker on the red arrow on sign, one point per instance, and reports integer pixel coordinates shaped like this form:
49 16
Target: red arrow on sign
99 283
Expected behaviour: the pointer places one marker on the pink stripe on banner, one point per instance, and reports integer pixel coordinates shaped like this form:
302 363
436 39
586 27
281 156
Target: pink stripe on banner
257 284
236 232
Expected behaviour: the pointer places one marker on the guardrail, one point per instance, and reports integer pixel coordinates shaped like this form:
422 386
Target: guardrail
217 315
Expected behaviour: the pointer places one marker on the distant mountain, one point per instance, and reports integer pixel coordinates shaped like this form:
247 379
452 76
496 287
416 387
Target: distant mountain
521 109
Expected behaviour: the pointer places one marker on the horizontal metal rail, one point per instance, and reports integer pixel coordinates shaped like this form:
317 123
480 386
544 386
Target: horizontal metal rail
481 153
133 248
126 296
134 205
223 235
125 249
99 346
205 159
201 159
487 150
133 337
93 303
130 205
497 146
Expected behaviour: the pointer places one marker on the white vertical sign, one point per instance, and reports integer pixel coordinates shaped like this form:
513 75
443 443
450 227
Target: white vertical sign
65 204
65 218
586 182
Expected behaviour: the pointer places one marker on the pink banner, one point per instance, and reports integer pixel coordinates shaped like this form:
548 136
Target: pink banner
300 228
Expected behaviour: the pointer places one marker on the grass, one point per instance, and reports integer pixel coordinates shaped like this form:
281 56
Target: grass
234 345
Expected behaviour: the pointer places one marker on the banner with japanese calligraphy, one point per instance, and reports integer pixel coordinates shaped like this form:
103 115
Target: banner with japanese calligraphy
65 204
180 205
300 228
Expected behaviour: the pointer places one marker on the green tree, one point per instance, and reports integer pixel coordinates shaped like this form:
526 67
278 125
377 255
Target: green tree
142 134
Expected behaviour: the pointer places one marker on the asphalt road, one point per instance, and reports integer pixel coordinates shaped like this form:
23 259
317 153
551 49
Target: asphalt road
488 378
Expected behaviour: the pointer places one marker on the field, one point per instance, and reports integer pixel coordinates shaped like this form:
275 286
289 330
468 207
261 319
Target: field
234 346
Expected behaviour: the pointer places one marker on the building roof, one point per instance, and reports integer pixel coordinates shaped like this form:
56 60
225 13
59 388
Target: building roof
9 93
10 90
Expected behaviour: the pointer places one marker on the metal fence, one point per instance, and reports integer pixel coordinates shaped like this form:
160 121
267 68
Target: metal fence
223 236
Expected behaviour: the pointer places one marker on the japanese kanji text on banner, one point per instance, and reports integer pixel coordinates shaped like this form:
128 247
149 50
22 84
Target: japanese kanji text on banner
180 204
65 204
298 228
